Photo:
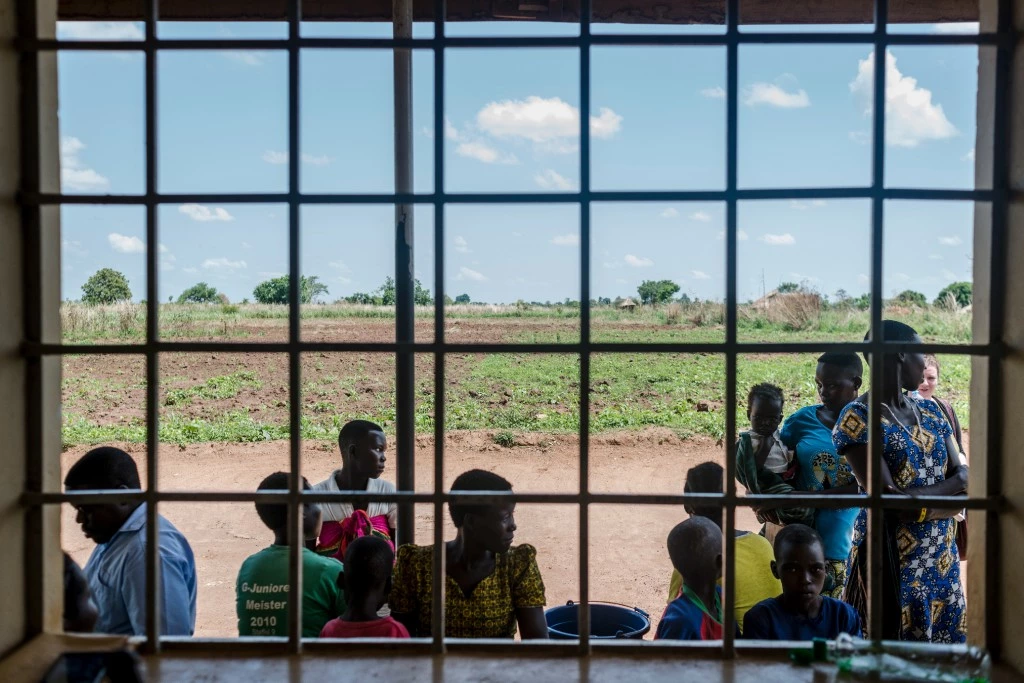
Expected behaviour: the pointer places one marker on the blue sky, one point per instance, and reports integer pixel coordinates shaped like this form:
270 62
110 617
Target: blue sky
512 123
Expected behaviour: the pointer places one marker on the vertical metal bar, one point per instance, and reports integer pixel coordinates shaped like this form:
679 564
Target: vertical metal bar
153 593
31 221
405 394
729 532
295 539
994 455
876 513
437 623
584 437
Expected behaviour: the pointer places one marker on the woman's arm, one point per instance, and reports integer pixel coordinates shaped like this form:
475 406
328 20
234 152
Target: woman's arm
857 456
532 624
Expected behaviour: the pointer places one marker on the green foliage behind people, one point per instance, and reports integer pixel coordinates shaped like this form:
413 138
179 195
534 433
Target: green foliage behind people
275 290
199 293
106 286
654 292
961 292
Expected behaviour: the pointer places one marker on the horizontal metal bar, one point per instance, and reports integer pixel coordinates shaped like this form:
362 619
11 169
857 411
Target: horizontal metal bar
749 37
749 194
487 497
38 350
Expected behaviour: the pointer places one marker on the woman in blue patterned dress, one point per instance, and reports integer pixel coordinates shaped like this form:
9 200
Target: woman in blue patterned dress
919 458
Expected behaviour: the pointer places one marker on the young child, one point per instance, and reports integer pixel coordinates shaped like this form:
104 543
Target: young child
763 463
695 547
363 446
754 579
262 586
367 579
801 612
80 612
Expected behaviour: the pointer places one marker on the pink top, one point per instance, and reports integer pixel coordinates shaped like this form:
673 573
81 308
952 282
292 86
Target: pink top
379 628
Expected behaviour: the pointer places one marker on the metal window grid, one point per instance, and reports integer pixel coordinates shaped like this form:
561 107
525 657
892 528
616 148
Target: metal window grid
36 348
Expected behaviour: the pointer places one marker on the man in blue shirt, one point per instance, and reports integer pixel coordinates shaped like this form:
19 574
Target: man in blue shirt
116 570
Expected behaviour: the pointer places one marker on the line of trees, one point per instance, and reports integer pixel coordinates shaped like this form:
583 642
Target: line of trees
108 286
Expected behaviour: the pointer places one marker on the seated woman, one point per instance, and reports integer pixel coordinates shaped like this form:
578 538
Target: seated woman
491 584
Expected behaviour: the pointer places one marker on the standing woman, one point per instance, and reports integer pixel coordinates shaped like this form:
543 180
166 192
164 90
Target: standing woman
820 470
919 458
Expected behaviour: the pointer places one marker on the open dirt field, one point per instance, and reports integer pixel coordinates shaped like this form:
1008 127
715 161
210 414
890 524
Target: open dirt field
629 563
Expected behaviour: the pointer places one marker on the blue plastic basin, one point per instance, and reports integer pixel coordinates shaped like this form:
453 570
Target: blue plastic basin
607 620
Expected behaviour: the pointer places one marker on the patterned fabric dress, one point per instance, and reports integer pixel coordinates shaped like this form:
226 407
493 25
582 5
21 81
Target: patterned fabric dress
487 612
932 606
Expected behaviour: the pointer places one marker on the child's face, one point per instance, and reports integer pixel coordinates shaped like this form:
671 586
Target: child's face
836 386
367 456
765 415
801 569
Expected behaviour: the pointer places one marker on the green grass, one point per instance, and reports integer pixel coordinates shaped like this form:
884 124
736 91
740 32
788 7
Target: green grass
508 393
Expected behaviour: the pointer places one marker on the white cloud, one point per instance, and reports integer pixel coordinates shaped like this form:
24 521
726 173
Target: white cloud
715 93
205 214
950 275
901 277
669 213
461 245
484 153
167 259
800 277
313 160
956 27
246 245
270 274
803 206
702 216
953 241
343 272
224 264
568 240
863 279
638 261
969 156
910 115
550 179
470 274
784 239
126 244
935 257
699 275
190 271
774 96
74 175
99 30
272 157
621 281
278 158
450 132
72 248
542 120
243 58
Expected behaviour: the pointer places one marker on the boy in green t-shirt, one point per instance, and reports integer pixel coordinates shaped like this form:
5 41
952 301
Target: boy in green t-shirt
262 586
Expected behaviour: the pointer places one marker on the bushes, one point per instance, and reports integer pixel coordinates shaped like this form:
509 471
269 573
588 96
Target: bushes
106 286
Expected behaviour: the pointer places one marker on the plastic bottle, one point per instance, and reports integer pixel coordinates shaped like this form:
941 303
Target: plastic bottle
903 661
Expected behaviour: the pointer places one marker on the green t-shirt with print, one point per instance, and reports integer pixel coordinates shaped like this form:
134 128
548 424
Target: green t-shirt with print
262 593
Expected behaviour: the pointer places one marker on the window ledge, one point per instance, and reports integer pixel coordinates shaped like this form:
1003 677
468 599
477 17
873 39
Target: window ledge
31 661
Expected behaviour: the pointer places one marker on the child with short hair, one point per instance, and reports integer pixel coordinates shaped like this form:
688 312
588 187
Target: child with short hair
754 579
801 612
763 463
363 445
263 582
367 581
695 547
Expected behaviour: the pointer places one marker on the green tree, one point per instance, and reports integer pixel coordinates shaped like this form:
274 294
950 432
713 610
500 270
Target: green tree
359 298
199 293
655 292
387 293
106 286
275 290
787 288
909 297
961 292
462 299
